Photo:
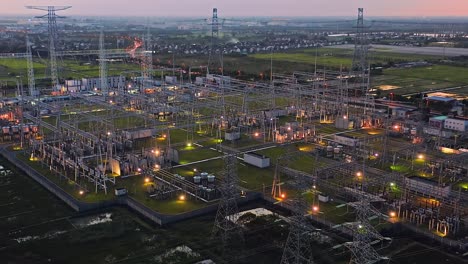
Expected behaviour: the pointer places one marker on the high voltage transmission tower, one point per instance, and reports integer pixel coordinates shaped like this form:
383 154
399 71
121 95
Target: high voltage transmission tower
361 67
29 59
297 249
364 233
361 47
225 226
103 65
215 55
147 60
53 38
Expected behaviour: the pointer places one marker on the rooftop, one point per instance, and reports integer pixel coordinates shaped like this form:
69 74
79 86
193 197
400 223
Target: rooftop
440 98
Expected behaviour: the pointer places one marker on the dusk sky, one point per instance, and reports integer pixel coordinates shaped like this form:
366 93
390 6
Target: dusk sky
246 7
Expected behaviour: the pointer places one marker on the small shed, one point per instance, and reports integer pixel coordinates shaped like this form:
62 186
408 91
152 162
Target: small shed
120 191
257 160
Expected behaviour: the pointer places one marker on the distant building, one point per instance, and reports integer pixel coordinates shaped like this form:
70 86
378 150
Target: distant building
427 187
91 83
456 124
441 104
437 121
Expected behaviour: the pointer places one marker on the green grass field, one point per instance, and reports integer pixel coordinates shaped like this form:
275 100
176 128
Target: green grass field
336 58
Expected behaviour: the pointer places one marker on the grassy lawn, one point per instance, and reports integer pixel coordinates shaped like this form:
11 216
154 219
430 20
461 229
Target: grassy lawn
437 73
137 189
194 153
337 58
70 186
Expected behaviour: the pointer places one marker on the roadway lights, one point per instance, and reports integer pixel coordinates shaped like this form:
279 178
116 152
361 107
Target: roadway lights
147 179
182 197
195 170
189 144
392 214
81 192
359 174
283 195
315 208
256 134
420 156
392 184
139 169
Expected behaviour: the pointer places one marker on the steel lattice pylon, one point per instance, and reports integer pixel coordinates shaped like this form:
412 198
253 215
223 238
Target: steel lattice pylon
360 67
53 38
147 60
361 47
215 51
103 65
225 226
364 234
297 249
31 79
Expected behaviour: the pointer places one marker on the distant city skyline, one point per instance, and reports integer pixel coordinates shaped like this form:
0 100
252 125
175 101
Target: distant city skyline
202 8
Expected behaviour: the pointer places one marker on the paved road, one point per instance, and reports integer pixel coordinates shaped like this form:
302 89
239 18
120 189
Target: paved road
438 51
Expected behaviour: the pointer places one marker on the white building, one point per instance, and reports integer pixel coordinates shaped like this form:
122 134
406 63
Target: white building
112 82
456 124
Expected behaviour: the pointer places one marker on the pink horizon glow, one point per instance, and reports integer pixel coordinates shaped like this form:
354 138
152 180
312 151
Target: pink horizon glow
309 8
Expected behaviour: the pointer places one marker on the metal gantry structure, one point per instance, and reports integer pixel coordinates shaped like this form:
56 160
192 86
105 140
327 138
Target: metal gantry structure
53 39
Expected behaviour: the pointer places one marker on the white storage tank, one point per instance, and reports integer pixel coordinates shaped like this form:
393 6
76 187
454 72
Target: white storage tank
196 179
211 178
